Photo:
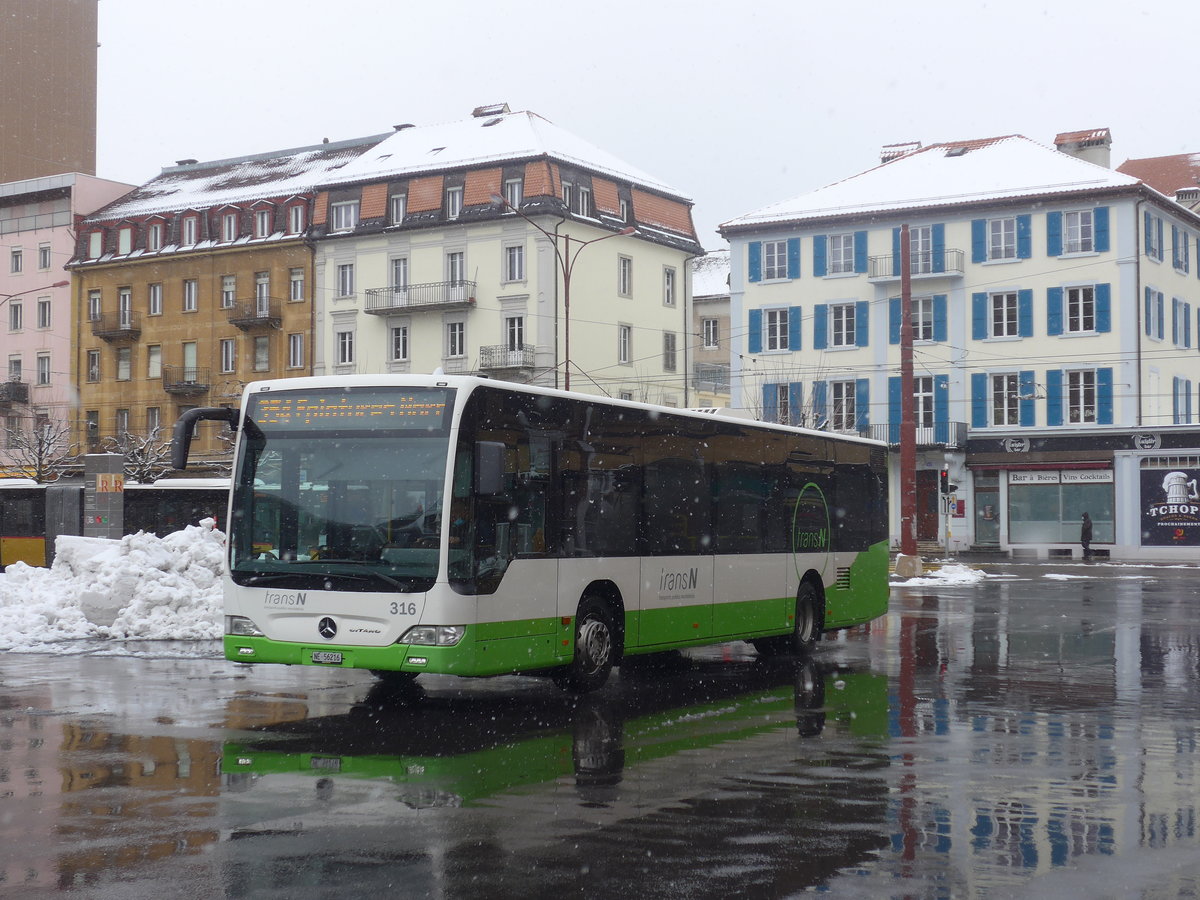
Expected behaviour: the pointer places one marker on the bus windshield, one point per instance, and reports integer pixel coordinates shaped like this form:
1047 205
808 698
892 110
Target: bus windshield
330 490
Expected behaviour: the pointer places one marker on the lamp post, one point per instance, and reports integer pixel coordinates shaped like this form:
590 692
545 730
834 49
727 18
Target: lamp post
566 264
4 298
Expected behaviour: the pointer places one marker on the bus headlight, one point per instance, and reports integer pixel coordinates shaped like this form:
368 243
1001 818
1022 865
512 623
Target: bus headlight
434 635
241 626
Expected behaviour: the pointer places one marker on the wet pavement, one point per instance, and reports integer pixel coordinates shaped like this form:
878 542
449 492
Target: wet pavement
1032 735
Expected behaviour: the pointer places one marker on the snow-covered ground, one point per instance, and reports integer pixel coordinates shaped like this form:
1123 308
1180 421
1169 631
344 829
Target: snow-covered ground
138 588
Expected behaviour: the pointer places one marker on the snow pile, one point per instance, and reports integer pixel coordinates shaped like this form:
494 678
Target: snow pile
946 575
157 589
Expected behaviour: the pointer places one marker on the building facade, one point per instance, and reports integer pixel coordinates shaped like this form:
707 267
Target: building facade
1056 341
502 245
710 329
37 234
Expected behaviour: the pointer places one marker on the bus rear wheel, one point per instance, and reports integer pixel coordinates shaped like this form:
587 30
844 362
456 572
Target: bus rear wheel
595 648
807 630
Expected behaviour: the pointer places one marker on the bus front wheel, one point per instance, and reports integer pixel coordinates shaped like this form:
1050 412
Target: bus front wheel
595 648
806 632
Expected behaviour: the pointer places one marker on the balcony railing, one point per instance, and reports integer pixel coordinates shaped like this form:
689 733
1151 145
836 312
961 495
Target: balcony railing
431 295
951 435
186 379
116 327
502 356
925 264
261 312
13 392
712 379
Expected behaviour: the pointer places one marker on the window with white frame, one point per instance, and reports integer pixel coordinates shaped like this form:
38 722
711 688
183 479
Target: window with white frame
625 344
14 368
95 309
124 240
229 227
95 244
1078 232
920 249
625 276
343 216
43 368
345 348
125 307
16 260
454 202
124 363
1004 315
456 339
93 365
16 315
43 312
296 350
296 218
841 324
842 406
262 353
669 353
154 361
262 223
710 329
624 204
296 284
625 395
774 260
191 230
1081 309
154 299
44 256
456 267
841 253
922 318
400 272
514 333
1002 238
513 192
514 262
228 355
228 291
154 236
153 421
397 208
567 192
776 322
585 201
923 395
345 280
1081 397
121 422
262 293
668 286
399 343
1005 408
783 404
191 295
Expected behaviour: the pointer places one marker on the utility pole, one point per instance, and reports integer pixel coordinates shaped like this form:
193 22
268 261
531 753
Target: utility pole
908 563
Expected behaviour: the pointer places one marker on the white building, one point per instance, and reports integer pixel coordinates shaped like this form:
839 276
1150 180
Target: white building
1056 346
710 329
502 244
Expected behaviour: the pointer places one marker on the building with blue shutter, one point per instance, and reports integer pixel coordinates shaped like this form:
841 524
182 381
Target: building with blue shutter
1056 321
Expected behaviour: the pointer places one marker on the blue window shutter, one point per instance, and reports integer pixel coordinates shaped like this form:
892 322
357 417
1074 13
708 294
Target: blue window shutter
793 328
819 407
1054 310
979 316
939 247
862 404
820 326
770 395
1054 397
896 252
941 408
1025 313
979 404
1148 310
754 337
978 240
1175 257
860 252
1103 308
1026 390
1158 302
894 411
793 252
819 269
862 323
941 325
1024 237
795 402
1158 233
895 307
1147 232
1054 234
1104 396
1174 400
1174 320
755 249
1100 229
1187 325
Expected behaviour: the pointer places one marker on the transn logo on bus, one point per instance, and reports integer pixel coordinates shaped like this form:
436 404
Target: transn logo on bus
276 599
682 583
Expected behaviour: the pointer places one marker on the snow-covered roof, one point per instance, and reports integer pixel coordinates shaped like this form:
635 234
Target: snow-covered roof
710 275
204 185
479 140
955 173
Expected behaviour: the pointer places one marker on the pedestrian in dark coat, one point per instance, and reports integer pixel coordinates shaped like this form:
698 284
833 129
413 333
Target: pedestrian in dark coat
1085 535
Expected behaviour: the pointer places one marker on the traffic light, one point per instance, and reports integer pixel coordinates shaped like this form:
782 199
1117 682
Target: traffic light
944 482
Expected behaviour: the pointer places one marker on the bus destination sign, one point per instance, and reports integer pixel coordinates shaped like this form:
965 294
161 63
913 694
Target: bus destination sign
424 409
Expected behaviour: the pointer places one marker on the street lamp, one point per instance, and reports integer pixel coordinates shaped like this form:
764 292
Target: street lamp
4 298
566 264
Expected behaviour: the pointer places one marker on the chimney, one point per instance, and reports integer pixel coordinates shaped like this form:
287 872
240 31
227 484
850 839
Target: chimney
1091 146
185 162
492 109
895 151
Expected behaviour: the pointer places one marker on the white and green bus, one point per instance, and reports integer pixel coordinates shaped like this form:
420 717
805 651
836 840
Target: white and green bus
459 525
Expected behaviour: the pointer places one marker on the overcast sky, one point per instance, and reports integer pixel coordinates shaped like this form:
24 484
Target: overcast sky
736 105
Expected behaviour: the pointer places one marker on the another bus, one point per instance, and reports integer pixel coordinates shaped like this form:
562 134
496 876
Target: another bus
454 524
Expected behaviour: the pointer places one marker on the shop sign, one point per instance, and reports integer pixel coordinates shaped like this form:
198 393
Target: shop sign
1087 476
1033 477
1170 508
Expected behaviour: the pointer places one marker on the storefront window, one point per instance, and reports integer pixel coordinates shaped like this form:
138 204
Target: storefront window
1041 513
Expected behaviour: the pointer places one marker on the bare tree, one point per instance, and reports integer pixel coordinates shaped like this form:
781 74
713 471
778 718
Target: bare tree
146 457
42 451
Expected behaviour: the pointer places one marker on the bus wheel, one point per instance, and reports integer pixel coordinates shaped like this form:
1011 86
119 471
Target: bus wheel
807 630
595 648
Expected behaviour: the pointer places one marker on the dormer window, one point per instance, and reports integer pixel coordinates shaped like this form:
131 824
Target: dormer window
397 208
124 240
344 216
229 227
262 223
154 236
514 189
454 202
95 244
296 219
191 230
585 202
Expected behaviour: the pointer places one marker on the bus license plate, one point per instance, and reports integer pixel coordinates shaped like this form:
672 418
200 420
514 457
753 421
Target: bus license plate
329 657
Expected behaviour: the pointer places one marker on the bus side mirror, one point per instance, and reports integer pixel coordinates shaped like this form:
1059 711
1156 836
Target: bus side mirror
489 468
181 441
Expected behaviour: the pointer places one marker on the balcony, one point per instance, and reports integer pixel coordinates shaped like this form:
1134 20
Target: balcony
927 264
259 313
117 328
711 378
186 380
502 357
947 435
13 392
431 295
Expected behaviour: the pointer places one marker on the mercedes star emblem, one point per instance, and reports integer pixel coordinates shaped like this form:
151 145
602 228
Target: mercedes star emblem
328 628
